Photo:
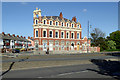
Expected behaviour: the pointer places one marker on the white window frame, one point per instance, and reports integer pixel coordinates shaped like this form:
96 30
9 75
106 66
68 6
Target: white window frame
58 34
63 24
35 32
63 34
77 35
73 25
57 23
78 25
68 35
49 34
45 21
36 20
50 21
68 24
43 33
71 35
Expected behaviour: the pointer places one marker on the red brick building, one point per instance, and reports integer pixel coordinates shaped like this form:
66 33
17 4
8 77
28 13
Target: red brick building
58 33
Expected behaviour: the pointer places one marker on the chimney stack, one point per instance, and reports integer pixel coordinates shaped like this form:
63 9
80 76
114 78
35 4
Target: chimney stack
28 37
13 35
8 34
74 19
21 36
61 15
17 35
3 33
31 37
24 37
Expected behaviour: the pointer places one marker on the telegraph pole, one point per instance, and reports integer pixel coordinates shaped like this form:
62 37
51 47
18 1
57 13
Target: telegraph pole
88 38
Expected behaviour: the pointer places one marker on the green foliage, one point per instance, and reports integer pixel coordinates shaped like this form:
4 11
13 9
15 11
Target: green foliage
111 45
115 36
113 50
97 39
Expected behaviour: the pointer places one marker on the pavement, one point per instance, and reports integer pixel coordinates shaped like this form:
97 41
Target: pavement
71 71
54 66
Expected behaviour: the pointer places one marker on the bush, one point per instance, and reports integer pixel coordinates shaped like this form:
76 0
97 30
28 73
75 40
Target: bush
113 50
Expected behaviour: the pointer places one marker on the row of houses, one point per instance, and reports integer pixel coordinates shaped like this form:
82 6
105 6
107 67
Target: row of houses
8 41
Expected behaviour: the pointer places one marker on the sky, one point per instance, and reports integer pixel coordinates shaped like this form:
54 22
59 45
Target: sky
17 17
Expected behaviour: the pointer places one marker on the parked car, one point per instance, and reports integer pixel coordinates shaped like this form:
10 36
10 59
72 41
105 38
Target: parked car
15 51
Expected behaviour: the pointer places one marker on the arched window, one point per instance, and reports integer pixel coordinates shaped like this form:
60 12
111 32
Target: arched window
36 33
67 35
44 22
67 25
36 22
62 34
72 35
78 26
50 34
77 35
62 24
50 22
72 25
44 34
56 23
56 34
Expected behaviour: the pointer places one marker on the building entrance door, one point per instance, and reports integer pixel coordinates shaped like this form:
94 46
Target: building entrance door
51 47
78 47
67 46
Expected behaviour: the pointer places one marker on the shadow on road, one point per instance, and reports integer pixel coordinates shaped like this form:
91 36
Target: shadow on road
116 54
108 68
11 65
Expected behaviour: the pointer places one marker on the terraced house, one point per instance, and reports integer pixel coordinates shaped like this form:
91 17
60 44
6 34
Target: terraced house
58 34
8 41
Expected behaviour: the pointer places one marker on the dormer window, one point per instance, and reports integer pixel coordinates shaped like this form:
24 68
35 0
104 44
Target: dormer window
50 22
44 22
62 24
72 25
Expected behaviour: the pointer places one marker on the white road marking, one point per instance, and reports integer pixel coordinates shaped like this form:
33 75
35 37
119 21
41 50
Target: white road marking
39 77
69 73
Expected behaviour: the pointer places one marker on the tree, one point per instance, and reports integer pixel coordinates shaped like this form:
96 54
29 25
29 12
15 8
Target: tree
115 36
111 44
95 35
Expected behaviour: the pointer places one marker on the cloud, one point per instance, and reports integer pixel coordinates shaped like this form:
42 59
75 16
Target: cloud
24 3
84 10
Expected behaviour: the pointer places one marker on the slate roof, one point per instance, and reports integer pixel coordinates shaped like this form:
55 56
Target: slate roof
6 36
55 17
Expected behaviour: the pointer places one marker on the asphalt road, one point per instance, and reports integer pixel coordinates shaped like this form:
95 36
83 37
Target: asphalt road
48 58
73 71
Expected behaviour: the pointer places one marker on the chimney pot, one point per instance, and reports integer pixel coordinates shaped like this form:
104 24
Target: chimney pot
28 37
21 37
13 35
8 34
74 19
3 33
24 37
61 15
17 35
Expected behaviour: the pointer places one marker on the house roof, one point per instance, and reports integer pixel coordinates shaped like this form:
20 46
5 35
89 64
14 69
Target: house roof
55 17
10 37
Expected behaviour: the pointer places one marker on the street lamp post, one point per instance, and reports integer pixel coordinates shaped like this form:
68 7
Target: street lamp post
87 39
